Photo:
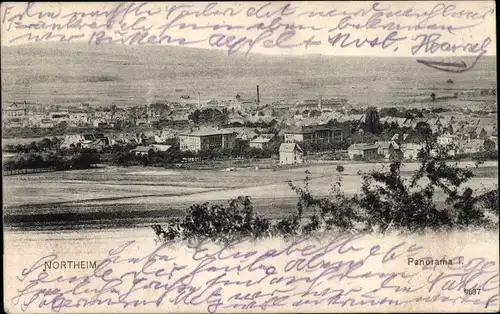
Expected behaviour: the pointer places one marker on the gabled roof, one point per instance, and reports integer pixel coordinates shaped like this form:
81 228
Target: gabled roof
386 144
263 138
473 144
143 149
290 147
160 147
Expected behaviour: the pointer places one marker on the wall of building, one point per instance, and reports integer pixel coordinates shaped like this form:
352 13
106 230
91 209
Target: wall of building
289 158
190 143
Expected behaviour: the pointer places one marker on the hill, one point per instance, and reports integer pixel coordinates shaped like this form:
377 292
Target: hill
130 75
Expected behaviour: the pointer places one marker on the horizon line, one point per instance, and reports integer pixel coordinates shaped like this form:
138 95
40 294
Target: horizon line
240 54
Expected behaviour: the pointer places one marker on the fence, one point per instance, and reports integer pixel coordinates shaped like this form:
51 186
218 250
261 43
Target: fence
12 172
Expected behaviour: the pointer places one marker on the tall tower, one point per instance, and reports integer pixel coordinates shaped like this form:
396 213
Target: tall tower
258 95
320 105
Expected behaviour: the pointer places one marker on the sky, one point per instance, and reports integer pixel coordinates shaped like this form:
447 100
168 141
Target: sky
381 29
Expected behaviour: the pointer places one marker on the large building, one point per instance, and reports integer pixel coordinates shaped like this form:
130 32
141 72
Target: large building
15 110
313 134
200 140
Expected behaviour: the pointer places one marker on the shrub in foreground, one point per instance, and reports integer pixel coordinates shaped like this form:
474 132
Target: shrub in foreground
388 201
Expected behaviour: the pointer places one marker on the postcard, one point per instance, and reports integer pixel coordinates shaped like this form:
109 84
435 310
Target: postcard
250 157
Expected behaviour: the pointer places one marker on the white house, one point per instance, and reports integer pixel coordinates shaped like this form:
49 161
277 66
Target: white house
410 150
363 150
291 153
446 139
263 141
386 148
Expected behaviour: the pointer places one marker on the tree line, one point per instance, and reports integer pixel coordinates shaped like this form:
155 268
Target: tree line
63 160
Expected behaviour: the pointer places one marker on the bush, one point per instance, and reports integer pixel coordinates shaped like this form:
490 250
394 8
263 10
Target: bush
217 222
340 168
387 200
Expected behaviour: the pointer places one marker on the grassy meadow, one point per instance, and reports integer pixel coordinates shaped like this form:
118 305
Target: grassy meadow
137 194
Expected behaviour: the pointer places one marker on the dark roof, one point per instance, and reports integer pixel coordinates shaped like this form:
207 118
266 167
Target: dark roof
310 129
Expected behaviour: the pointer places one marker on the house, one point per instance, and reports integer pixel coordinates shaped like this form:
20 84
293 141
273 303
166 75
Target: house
386 149
263 141
363 151
17 122
291 153
46 123
313 134
206 140
483 132
246 134
15 110
444 140
146 150
72 141
472 146
410 150
97 143
142 150
469 132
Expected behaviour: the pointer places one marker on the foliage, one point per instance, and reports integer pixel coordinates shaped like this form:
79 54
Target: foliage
388 200
61 161
489 145
208 115
372 122
218 222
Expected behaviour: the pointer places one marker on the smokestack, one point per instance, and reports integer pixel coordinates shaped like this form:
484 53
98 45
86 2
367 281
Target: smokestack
258 95
320 104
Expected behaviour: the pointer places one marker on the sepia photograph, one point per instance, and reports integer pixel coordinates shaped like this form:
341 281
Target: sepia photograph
234 157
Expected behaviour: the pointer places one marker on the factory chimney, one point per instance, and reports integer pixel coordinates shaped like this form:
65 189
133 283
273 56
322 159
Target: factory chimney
258 95
320 105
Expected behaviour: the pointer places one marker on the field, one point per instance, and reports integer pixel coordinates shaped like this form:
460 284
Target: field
137 195
52 73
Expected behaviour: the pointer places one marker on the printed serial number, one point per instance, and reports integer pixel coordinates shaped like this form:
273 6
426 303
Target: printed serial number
472 291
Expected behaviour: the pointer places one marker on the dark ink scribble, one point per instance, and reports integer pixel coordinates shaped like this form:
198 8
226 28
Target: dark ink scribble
431 43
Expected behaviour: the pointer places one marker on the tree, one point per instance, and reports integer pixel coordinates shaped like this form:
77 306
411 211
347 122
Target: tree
372 121
423 131
239 149
489 145
208 115
46 143
62 126
85 159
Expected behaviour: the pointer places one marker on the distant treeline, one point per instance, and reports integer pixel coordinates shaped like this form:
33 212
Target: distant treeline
83 159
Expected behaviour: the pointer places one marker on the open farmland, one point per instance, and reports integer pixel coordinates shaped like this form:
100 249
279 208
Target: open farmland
126 76
100 197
